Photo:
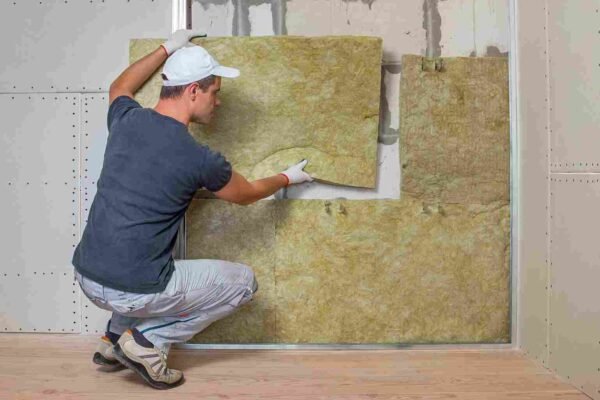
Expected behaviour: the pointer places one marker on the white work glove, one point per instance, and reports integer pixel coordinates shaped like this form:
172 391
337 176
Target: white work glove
180 38
295 173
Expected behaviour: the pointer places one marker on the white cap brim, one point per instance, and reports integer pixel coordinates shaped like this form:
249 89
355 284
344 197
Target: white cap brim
219 70
226 72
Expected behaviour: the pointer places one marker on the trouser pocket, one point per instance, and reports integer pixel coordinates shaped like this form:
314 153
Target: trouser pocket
126 303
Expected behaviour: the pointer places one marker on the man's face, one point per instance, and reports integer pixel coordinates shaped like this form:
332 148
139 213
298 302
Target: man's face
203 104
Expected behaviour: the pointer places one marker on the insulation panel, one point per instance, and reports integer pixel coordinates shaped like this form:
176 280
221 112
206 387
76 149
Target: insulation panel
371 271
293 100
217 230
454 133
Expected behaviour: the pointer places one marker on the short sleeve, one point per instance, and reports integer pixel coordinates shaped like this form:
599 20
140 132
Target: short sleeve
215 171
119 107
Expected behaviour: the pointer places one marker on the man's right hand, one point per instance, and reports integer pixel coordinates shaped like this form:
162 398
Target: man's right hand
180 38
238 190
296 174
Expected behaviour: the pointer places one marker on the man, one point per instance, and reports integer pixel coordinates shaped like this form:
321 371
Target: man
152 168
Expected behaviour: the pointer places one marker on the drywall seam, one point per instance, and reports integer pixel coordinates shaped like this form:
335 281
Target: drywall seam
515 161
548 189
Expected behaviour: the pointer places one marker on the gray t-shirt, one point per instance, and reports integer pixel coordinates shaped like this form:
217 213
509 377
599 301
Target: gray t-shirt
152 168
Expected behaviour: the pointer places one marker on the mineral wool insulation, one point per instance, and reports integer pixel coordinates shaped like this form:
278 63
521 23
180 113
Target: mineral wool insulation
295 98
432 267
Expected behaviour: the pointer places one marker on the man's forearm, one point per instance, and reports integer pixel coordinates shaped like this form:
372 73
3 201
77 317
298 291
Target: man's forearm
137 73
267 186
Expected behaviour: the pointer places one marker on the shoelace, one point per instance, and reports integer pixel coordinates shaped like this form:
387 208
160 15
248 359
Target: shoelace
163 359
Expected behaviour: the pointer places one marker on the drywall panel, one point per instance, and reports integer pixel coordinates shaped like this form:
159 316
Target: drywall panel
574 47
42 302
398 23
283 109
574 276
215 17
219 230
39 171
455 138
94 133
65 46
371 271
532 98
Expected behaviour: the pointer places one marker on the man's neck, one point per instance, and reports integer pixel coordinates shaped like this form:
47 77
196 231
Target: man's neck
169 109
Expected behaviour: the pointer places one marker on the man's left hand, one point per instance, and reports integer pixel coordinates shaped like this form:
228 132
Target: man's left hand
180 38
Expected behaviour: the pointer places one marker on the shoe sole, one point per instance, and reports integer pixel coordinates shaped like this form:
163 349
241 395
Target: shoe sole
106 364
141 370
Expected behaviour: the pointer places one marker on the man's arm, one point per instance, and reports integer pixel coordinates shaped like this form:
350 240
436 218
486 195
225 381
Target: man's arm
137 73
238 190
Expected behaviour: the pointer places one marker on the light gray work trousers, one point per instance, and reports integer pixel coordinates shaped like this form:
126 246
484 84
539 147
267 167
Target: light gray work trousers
199 293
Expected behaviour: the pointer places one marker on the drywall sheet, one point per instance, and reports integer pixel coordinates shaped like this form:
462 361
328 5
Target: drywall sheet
372 271
533 188
94 134
454 129
574 315
296 98
73 46
41 302
39 168
574 78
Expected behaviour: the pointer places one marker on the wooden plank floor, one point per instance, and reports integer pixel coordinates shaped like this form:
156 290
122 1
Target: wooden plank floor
59 367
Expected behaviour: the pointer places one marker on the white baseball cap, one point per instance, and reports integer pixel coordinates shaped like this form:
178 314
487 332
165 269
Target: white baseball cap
190 64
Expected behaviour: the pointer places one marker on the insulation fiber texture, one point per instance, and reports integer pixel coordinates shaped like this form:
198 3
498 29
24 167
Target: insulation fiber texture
376 271
296 98
432 267
454 133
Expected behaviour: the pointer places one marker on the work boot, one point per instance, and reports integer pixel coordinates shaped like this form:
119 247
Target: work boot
149 362
105 357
